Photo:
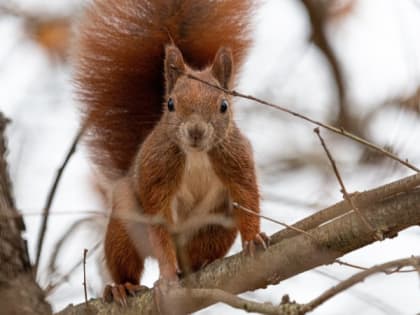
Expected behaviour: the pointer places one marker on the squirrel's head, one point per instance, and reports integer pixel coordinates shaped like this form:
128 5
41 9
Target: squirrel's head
197 116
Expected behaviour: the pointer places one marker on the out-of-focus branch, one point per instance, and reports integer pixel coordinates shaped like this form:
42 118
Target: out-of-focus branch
359 277
67 234
412 102
318 14
51 196
51 32
339 9
62 279
19 293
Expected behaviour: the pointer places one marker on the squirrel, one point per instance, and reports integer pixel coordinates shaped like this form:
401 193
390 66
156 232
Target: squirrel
180 160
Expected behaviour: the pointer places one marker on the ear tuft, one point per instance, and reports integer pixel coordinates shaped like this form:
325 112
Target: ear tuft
174 66
222 68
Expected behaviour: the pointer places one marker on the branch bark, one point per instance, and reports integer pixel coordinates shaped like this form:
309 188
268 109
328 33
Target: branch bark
290 253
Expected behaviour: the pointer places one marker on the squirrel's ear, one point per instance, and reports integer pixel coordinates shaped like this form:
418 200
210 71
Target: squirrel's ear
174 66
222 68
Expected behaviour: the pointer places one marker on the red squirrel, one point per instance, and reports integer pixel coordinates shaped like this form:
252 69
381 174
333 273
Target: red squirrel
183 159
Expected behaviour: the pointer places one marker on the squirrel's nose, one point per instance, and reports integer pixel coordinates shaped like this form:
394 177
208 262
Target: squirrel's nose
196 133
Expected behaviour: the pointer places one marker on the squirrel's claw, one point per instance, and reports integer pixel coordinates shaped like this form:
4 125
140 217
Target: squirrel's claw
134 289
260 240
118 292
263 240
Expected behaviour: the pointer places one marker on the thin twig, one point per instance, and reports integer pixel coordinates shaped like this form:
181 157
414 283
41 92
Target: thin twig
343 187
359 277
67 234
237 205
384 307
65 277
340 262
84 276
51 195
291 227
336 130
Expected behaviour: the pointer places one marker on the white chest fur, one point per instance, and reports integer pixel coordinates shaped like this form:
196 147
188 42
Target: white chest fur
200 191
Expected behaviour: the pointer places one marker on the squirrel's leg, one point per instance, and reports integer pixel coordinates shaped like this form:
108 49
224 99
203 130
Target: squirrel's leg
164 251
208 244
235 167
246 196
125 244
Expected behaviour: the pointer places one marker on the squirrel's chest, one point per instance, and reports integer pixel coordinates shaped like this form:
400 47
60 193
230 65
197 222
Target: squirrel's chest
200 191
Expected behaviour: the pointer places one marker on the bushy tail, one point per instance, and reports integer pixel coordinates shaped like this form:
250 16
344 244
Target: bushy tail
119 64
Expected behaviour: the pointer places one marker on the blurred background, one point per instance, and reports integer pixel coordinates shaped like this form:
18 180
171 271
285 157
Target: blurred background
377 47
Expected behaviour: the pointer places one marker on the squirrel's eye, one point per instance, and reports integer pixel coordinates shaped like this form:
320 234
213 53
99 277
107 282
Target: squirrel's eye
171 105
224 106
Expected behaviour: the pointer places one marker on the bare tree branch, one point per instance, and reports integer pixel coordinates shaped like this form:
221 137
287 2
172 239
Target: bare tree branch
290 255
359 277
292 308
361 199
84 277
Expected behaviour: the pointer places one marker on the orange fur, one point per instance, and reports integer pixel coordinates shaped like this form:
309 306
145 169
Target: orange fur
130 59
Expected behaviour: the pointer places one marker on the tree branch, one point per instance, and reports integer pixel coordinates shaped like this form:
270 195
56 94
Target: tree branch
19 293
291 254
51 195
341 182
317 13
292 308
359 277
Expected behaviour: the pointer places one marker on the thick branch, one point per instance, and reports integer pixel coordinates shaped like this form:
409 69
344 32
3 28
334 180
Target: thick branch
13 254
19 293
361 199
286 257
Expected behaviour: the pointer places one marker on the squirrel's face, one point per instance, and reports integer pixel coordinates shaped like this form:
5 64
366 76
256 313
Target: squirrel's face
197 116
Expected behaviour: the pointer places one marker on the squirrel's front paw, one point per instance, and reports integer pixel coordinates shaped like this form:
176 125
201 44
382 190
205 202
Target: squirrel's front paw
119 292
260 240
